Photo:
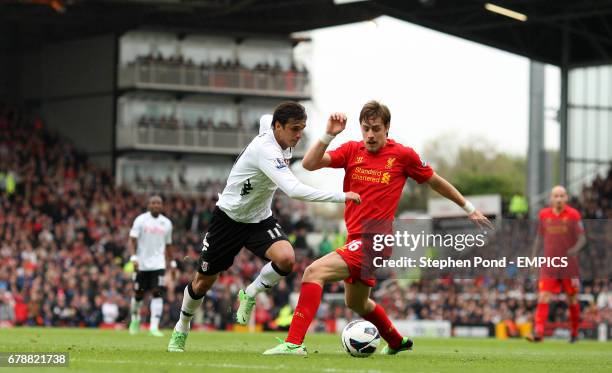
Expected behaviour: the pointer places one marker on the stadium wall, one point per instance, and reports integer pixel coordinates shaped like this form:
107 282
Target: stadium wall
71 85
4 74
78 82
86 121
8 66
4 69
81 67
29 86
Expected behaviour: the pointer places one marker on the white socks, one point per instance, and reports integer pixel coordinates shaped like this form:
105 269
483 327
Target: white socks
157 305
188 308
135 308
268 277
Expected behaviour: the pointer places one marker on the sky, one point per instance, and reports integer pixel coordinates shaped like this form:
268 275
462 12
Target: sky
434 84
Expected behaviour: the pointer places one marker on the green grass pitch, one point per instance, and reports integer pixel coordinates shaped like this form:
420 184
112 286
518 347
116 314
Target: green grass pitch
93 350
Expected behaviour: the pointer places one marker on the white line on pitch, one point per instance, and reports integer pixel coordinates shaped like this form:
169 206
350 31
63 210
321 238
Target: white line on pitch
222 365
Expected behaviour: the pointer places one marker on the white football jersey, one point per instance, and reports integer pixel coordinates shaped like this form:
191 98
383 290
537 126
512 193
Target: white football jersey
260 169
153 235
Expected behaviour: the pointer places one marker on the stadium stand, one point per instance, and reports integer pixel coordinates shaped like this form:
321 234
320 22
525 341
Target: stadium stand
222 73
64 226
595 201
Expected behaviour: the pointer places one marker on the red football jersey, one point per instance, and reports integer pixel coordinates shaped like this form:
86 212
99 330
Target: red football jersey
379 179
560 233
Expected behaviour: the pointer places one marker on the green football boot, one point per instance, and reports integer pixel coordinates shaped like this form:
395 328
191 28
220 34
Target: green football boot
134 326
405 346
156 332
286 348
177 342
243 315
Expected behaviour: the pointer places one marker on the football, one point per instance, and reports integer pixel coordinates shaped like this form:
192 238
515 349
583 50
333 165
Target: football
360 338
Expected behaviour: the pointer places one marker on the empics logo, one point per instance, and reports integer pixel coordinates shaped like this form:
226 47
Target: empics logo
542 262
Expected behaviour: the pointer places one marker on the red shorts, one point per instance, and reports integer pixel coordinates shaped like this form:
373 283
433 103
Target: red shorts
358 263
554 285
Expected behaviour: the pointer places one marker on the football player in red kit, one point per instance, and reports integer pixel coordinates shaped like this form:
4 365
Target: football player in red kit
561 229
377 168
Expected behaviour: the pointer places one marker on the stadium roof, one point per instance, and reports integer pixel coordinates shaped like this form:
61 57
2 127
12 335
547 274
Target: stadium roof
560 32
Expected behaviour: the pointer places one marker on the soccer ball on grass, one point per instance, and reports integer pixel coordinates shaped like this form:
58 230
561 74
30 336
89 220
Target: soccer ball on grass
360 338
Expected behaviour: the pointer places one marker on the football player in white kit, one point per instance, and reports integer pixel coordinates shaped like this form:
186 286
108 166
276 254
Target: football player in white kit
243 217
150 237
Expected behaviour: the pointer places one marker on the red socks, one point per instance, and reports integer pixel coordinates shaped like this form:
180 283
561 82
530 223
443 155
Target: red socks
308 304
386 329
574 316
541 315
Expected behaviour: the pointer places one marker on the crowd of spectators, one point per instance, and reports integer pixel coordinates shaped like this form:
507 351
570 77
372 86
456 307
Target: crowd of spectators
203 125
63 260
63 232
595 200
171 122
168 185
221 73
219 64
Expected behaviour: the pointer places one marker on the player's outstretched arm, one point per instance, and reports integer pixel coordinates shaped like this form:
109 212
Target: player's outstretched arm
281 175
316 157
446 189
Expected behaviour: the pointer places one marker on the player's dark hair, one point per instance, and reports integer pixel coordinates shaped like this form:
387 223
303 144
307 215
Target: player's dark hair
155 196
374 109
288 111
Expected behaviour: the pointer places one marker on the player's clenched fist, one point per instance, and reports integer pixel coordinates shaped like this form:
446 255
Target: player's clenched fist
336 123
352 196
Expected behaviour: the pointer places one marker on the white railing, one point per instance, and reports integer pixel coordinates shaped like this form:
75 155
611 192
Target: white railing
183 190
214 140
214 80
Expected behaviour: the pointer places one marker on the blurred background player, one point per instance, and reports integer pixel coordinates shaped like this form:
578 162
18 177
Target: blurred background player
243 218
377 168
150 237
561 229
